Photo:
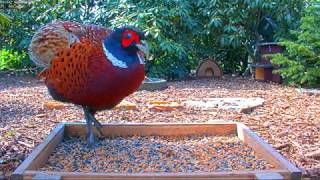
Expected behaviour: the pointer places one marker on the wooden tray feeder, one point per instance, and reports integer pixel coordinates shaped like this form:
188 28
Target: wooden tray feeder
209 68
283 169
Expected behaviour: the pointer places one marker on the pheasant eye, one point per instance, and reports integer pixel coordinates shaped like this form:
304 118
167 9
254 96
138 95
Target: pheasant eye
129 36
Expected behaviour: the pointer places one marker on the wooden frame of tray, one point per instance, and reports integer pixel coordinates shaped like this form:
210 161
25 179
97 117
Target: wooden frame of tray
283 168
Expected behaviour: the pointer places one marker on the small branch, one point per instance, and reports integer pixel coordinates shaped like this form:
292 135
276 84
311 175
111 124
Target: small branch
281 146
296 144
26 144
314 154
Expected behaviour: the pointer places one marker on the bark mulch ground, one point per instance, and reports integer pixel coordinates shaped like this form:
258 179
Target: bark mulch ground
289 120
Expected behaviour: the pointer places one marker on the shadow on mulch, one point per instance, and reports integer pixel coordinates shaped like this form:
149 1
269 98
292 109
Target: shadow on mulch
12 111
25 81
220 83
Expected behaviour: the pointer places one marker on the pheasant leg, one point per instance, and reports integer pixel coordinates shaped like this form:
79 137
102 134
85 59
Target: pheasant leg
91 120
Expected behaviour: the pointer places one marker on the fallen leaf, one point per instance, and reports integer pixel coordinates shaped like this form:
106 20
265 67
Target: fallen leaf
53 105
126 105
163 105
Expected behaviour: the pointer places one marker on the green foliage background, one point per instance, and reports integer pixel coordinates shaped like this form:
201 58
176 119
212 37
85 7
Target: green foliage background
301 61
180 33
10 59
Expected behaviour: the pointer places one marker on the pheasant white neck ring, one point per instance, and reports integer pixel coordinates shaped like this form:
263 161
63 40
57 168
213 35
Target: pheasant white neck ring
114 61
141 58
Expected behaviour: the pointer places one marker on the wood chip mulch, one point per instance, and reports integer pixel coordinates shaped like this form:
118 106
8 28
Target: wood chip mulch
289 120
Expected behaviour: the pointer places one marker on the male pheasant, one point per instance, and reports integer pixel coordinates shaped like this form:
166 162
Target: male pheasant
89 65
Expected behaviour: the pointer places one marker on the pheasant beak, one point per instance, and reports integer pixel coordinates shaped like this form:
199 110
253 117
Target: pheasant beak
143 47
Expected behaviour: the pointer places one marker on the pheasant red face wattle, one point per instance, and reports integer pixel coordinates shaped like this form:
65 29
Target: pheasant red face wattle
129 37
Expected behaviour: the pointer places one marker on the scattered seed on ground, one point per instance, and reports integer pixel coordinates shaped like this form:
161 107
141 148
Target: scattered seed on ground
155 154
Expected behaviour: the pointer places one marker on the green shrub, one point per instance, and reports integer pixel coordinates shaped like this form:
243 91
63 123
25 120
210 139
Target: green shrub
4 21
10 59
180 33
301 60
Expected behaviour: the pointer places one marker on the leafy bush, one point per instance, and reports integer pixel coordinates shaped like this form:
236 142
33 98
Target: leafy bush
180 33
10 59
4 21
301 61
